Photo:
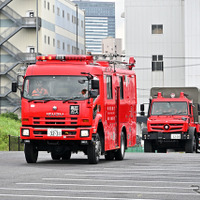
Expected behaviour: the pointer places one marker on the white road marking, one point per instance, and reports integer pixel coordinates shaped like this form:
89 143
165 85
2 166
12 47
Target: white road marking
120 180
111 186
64 197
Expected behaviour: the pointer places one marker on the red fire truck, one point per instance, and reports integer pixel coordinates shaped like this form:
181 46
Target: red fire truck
173 120
72 103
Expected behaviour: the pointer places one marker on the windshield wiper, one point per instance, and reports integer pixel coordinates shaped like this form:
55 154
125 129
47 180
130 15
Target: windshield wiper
44 99
73 98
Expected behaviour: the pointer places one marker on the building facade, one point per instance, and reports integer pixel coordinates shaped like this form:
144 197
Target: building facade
99 23
37 27
112 46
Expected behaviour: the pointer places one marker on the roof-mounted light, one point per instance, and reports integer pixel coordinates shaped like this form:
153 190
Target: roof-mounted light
66 57
131 63
159 95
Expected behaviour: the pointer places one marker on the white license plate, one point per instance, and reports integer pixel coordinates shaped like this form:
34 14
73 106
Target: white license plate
176 136
54 132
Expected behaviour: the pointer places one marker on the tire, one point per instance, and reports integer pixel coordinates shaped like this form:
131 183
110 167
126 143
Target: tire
120 153
31 153
148 147
55 156
190 145
94 150
66 155
110 155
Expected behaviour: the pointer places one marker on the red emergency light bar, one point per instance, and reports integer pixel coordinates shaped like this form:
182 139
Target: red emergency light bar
65 57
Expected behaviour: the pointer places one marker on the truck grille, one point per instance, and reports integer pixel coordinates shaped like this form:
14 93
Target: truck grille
55 120
172 127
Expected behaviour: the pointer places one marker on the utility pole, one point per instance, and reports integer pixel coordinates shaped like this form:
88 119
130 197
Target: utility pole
77 29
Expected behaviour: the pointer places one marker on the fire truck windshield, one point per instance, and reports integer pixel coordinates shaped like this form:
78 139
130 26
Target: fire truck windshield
169 108
55 88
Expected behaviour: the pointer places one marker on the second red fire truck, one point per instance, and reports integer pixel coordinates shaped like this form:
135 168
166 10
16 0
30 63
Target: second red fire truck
72 103
173 120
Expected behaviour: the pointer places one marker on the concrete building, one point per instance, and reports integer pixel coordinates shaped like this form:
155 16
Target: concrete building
163 36
99 23
112 45
30 27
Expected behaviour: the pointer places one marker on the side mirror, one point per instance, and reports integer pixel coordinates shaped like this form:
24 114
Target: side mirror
142 110
14 86
198 109
95 84
142 107
94 93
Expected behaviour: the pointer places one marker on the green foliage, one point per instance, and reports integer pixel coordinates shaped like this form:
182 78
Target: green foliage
9 125
10 115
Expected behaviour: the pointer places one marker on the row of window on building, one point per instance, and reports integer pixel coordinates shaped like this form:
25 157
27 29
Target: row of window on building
62 13
62 45
157 60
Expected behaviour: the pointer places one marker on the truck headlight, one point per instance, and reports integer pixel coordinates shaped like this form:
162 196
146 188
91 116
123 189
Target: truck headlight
25 132
84 133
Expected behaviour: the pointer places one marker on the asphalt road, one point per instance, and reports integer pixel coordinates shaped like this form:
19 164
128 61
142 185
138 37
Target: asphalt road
138 176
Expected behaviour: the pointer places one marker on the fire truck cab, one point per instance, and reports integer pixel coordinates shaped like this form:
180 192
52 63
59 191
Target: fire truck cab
71 103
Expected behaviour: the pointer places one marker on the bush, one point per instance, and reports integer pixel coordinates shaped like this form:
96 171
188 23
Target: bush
11 116
9 125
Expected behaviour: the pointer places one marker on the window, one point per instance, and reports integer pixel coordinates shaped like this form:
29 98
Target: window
121 87
63 46
44 4
45 39
157 29
53 42
58 11
58 44
73 50
53 9
68 17
48 6
109 87
68 48
48 40
63 13
157 63
81 23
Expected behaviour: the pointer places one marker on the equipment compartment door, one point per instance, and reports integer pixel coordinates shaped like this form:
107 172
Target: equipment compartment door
117 117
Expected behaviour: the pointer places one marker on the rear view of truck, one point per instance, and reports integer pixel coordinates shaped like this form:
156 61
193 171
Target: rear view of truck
173 120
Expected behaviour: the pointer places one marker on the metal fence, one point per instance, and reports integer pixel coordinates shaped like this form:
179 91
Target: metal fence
15 143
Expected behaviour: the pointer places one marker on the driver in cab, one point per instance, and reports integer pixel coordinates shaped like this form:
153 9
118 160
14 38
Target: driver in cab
39 91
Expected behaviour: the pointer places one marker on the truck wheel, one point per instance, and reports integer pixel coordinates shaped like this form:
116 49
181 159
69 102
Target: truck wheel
66 155
120 153
31 153
110 155
148 147
191 143
55 156
94 150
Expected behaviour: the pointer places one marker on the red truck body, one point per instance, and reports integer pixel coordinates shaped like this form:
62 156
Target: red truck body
172 120
65 121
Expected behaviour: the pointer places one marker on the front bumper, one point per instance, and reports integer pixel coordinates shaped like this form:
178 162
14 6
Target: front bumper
165 136
40 133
